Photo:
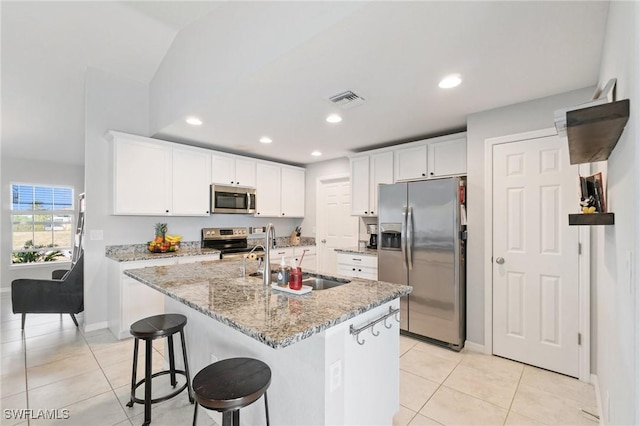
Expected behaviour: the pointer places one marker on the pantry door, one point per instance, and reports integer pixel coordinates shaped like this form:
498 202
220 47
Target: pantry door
336 228
536 316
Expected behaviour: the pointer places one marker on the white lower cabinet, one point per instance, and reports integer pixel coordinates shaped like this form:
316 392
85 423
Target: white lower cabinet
295 253
130 300
358 266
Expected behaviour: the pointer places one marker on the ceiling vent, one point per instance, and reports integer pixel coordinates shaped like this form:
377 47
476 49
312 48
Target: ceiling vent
346 100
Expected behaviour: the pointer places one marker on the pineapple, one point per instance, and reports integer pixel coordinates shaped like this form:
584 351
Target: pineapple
161 231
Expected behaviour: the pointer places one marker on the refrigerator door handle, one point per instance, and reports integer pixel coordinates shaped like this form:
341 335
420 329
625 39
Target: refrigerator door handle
403 236
410 238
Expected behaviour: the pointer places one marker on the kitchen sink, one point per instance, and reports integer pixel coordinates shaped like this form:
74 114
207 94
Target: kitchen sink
318 283
315 282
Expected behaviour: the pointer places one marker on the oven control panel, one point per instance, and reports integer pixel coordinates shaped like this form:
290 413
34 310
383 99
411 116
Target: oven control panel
223 233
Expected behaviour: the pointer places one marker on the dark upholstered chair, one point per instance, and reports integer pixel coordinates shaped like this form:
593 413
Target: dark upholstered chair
63 294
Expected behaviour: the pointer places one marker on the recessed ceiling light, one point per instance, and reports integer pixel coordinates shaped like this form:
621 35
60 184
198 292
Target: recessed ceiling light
316 153
334 118
265 139
194 121
450 81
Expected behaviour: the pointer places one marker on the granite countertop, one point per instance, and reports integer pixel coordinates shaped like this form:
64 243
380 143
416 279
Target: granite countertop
132 253
356 250
277 319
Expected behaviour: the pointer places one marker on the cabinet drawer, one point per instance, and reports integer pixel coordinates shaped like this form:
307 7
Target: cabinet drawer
356 259
311 250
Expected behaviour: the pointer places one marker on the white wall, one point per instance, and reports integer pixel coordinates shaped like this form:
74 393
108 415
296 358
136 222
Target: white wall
615 248
17 170
115 103
527 116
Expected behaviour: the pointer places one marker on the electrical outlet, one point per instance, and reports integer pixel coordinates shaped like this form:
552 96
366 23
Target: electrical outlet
335 375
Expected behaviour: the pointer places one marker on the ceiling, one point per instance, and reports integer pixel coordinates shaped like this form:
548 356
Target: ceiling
249 70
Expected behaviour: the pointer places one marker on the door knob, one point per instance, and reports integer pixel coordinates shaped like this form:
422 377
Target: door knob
323 241
500 260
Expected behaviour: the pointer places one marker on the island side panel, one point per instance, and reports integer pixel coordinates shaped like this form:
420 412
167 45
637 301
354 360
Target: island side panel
297 392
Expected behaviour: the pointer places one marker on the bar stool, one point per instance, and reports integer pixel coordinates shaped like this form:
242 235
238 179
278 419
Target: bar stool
149 329
228 385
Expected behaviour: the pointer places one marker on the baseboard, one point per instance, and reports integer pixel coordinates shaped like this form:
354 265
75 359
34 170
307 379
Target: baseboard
96 326
473 347
596 386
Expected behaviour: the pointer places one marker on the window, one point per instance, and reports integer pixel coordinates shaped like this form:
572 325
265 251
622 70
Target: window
42 222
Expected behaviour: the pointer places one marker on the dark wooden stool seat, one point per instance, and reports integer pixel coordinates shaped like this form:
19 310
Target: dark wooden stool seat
149 329
230 384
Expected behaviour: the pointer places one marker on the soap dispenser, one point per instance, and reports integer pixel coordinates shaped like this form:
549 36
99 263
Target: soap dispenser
283 274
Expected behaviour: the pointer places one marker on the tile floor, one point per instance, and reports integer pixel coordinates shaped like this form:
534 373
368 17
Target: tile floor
56 366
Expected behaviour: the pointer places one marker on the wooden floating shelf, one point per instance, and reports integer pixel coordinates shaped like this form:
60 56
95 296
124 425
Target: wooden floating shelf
591 219
593 132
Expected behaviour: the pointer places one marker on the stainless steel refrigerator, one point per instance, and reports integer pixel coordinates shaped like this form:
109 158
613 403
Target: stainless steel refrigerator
421 243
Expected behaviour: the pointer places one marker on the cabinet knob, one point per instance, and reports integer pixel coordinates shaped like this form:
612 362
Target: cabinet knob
207 212
424 174
166 211
282 214
431 173
366 212
258 213
372 212
238 183
231 182
353 269
359 270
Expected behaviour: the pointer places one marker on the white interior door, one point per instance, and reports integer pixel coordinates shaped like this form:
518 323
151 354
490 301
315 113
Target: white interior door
535 255
336 228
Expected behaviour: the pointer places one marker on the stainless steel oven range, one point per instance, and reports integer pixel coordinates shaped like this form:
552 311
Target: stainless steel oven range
227 240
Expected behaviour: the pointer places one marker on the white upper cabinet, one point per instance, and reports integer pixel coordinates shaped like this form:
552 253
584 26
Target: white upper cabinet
447 158
431 158
367 172
142 176
190 186
267 190
230 170
279 191
411 163
380 172
360 186
292 185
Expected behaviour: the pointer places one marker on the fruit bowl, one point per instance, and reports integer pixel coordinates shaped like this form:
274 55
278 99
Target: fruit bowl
162 247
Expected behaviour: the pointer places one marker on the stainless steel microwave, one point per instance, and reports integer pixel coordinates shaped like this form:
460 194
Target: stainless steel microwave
233 199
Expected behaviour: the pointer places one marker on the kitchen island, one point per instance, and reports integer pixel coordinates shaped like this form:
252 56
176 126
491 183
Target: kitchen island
322 373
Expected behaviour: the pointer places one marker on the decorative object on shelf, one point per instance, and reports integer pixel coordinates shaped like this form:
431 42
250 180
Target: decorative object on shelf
163 243
592 195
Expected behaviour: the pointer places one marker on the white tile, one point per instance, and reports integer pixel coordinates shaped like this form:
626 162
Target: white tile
69 391
40 356
12 403
415 391
438 351
177 411
12 383
494 386
420 420
558 384
515 419
548 408
119 374
102 409
61 369
403 416
406 343
434 368
451 407
492 363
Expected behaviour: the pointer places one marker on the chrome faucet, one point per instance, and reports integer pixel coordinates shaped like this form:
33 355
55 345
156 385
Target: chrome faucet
270 242
244 259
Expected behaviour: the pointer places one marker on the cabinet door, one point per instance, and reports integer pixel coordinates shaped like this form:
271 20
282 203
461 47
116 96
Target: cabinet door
360 186
410 163
381 172
448 158
142 178
190 187
223 170
292 192
267 190
245 172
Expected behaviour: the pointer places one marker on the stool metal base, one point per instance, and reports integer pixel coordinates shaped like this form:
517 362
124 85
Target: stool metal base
162 398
